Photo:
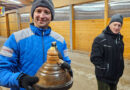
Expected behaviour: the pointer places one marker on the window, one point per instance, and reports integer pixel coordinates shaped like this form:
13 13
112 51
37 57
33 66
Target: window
119 6
25 17
92 10
62 14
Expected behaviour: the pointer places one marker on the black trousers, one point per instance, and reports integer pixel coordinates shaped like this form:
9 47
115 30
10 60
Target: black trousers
106 86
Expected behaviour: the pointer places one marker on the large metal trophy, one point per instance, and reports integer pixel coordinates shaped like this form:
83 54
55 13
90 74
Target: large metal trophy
51 75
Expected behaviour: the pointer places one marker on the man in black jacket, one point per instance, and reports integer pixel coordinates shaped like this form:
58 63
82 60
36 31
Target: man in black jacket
107 55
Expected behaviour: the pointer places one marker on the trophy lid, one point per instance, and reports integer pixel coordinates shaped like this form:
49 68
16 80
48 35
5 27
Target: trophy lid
52 54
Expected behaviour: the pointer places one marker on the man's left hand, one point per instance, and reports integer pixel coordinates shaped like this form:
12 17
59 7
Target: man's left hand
65 65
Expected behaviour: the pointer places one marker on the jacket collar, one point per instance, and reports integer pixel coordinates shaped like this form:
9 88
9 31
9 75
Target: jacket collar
40 31
109 32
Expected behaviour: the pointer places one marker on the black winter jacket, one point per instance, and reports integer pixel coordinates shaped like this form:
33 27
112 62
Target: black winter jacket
107 56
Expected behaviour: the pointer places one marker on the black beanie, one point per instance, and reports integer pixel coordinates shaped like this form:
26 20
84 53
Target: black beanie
117 18
43 3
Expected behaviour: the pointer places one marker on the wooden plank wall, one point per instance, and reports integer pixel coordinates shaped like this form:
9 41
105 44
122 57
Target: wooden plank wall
24 25
3 30
86 30
63 28
61 3
13 25
126 37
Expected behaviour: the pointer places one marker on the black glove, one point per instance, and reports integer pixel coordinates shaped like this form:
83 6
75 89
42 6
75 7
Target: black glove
26 81
65 65
59 54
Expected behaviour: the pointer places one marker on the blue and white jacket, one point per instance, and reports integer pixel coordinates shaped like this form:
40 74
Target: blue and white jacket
25 51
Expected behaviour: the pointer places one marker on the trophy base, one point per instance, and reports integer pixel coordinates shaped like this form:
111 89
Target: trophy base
67 86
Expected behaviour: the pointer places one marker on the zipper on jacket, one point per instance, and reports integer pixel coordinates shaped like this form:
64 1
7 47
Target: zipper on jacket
119 37
116 40
43 45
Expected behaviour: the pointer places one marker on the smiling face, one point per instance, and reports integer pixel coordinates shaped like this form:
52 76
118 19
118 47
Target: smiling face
115 27
42 17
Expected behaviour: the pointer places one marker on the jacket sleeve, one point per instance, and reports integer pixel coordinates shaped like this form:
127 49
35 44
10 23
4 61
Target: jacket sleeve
64 53
9 63
97 53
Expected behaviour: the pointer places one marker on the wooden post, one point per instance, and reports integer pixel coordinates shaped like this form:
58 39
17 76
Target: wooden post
31 20
106 13
72 28
18 20
7 25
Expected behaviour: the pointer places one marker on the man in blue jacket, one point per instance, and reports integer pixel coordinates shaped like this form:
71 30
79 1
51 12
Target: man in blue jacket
25 51
107 55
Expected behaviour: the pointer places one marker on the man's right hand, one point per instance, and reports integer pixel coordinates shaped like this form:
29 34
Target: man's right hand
26 81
